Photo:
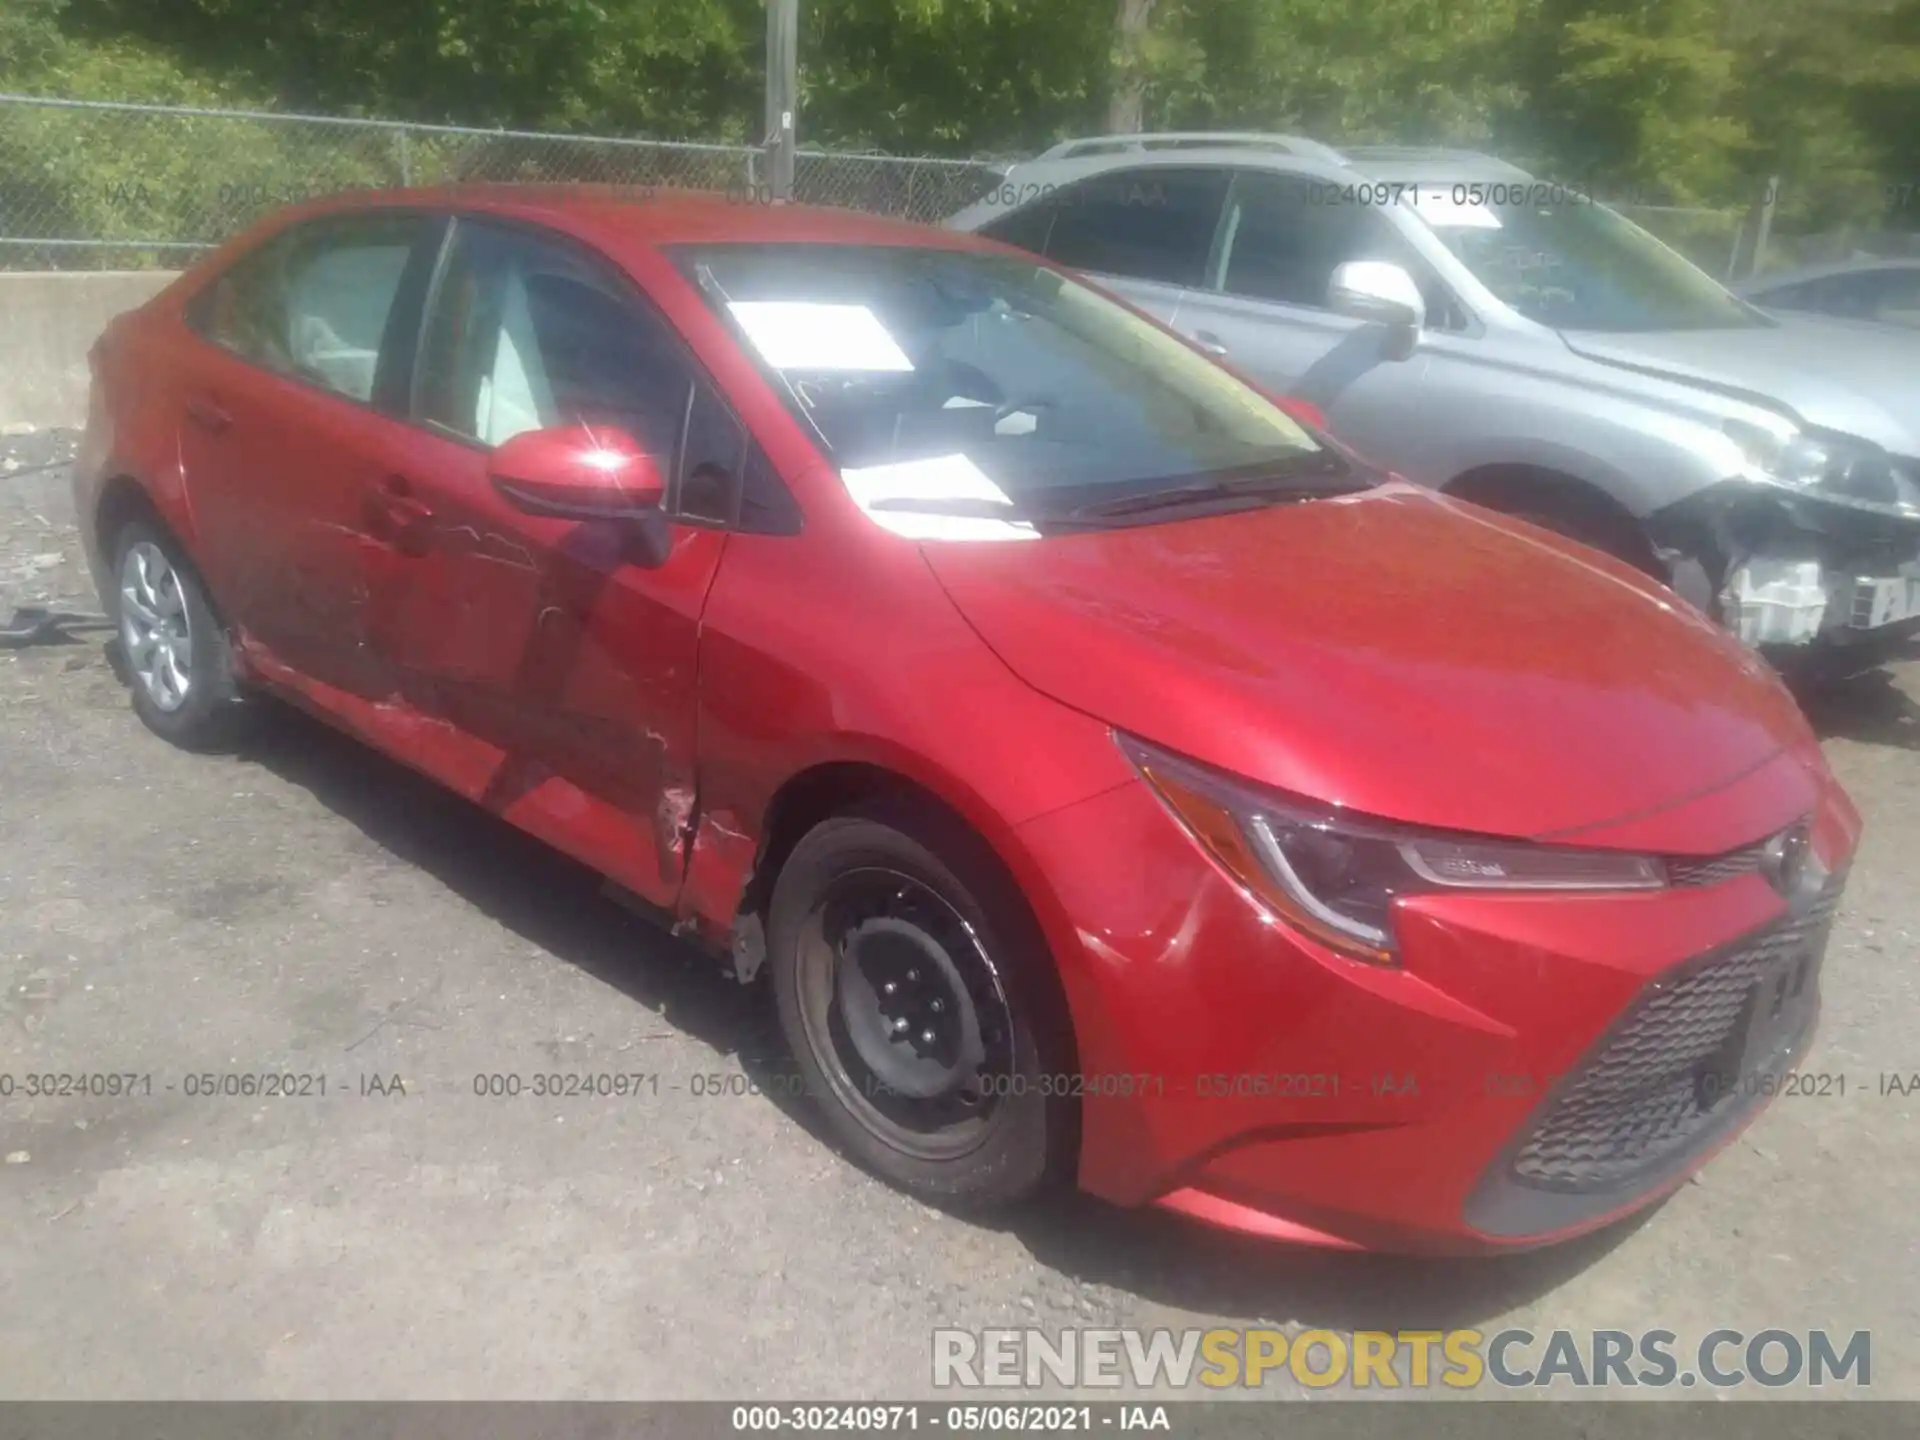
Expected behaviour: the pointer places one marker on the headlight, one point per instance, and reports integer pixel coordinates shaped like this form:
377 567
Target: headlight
1335 876
1835 467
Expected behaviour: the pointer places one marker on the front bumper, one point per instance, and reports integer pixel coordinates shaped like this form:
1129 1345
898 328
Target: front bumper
1791 572
1234 1071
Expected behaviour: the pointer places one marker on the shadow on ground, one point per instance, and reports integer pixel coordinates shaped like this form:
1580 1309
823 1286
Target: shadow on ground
539 894
1872 708
554 903
1175 1262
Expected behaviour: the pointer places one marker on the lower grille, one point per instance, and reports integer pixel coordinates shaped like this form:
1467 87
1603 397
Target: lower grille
1682 1059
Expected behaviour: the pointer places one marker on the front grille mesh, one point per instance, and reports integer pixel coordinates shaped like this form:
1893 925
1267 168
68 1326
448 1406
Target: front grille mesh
1641 1099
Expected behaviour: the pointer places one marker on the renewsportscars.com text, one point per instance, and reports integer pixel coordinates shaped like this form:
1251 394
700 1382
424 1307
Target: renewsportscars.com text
1411 1359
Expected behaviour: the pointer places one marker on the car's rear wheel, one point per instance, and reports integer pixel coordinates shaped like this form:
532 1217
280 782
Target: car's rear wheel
917 1000
175 650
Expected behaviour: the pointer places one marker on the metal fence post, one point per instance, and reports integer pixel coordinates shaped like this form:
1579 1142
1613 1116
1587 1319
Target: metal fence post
406 156
1764 231
783 60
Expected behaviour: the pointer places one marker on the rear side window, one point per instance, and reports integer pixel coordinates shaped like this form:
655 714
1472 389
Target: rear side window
313 303
1152 223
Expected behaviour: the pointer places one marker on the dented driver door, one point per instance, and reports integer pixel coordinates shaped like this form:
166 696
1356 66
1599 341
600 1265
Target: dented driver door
551 675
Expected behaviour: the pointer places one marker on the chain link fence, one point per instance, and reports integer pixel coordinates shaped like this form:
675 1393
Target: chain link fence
1729 245
97 185
104 185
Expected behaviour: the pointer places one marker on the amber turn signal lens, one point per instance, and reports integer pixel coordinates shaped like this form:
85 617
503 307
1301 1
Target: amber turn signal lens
1221 836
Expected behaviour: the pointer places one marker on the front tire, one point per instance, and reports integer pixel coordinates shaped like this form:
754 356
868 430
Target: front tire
921 1008
178 660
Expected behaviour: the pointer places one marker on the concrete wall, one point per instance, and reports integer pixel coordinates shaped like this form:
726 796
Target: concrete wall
48 321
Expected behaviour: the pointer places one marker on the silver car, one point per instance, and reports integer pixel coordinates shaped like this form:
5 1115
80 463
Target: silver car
1885 292
1511 341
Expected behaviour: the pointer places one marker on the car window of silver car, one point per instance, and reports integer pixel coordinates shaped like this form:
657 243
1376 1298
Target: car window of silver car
1285 235
1144 223
1897 298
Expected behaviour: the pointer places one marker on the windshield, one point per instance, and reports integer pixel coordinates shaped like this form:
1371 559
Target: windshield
952 382
1563 260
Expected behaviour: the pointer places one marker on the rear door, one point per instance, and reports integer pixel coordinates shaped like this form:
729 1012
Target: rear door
1144 232
567 673
288 439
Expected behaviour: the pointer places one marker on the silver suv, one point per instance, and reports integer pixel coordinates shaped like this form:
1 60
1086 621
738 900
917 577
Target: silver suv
1514 342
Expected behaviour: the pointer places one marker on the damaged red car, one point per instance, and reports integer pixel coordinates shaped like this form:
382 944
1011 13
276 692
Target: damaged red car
1118 780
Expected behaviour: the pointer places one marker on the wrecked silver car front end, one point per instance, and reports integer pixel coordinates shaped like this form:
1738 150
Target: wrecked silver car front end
1815 547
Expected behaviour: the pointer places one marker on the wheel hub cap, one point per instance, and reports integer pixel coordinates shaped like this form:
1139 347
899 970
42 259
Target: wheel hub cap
906 1012
906 1008
155 630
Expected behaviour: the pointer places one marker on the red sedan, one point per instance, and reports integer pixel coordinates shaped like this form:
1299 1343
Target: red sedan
1118 778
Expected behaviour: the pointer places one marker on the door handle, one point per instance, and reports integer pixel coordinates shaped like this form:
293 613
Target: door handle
1209 342
208 415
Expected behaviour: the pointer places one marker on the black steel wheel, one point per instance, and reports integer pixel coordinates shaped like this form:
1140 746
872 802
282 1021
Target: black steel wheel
923 1016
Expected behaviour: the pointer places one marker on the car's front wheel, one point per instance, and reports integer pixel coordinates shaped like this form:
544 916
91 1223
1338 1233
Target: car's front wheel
175 650
921 1008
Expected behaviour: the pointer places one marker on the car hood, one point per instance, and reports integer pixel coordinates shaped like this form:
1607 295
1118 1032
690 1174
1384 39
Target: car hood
1396 652
1859 379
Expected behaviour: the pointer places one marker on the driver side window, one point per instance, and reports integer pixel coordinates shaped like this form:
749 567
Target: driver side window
525 333
1285 235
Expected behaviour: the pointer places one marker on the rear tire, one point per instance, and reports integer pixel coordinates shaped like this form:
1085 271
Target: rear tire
921 1007
178 660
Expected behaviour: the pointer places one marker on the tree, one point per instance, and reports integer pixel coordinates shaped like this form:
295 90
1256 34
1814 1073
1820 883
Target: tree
1127 108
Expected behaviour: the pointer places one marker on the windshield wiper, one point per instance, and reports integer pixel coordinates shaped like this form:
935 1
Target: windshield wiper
1295 480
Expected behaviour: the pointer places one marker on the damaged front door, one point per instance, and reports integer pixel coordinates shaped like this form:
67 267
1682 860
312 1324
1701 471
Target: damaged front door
551 673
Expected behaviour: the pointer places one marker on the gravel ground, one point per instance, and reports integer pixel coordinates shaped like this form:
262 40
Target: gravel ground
308 907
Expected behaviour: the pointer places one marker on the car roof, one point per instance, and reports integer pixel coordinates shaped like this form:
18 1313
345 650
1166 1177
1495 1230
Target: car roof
1776 279
1252 147
1073 160
652 216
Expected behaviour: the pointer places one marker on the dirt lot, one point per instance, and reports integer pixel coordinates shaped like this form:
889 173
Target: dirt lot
307 907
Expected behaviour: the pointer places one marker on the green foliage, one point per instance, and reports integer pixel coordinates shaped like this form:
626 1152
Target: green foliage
1686 102
1414 71
950 76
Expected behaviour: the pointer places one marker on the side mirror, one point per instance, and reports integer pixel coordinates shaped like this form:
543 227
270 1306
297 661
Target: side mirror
1382 293
577 472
